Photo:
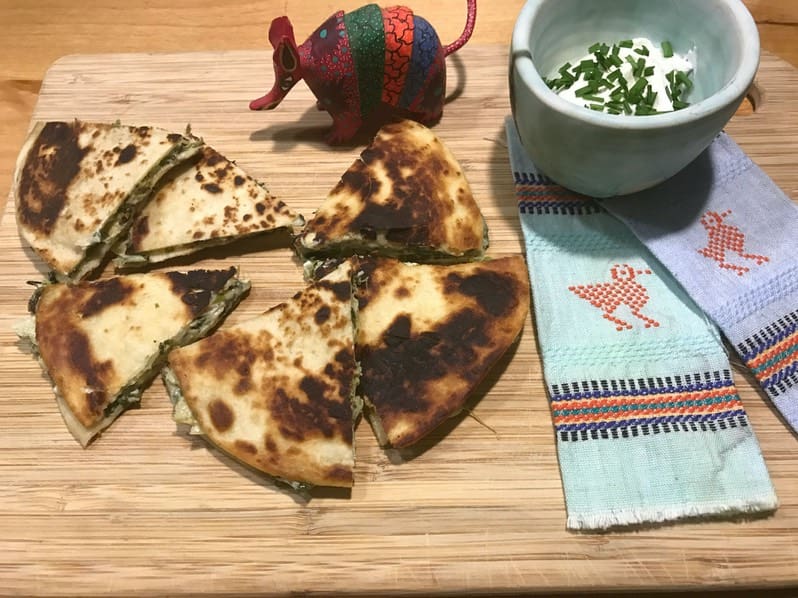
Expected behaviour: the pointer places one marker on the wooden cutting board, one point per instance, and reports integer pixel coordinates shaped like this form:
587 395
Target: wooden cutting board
479 508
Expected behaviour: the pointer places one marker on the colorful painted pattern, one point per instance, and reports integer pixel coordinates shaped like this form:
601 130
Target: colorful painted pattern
538 194
634 407
364 27
426 66
772 354
329 67
398 25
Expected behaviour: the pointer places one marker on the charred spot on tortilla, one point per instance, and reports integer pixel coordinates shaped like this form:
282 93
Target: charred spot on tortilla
288 377
101 342
428 334
207 202
78 185
405 196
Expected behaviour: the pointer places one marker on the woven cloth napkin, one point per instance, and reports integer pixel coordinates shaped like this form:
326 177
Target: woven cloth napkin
729 235
649 426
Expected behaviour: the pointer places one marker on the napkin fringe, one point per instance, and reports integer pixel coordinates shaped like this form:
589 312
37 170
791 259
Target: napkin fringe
626 517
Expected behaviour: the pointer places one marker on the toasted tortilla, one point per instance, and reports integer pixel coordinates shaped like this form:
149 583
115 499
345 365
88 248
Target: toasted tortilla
276 392
78 185
428 334
405 196
207 202
101 342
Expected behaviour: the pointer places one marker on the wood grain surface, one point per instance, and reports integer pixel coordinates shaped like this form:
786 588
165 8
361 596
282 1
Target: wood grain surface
478 509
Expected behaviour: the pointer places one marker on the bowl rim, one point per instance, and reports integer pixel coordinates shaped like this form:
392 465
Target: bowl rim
521 61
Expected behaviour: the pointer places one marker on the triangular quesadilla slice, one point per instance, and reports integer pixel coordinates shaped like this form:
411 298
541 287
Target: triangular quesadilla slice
78 186
428 334
406 196
101 342
276 392
206 202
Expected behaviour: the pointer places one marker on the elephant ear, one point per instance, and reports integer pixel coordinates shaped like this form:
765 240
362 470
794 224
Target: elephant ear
281 36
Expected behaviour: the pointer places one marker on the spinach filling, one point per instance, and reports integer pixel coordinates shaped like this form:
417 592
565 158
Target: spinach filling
121 221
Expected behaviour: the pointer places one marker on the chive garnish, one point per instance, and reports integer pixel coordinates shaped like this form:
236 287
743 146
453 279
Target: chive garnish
682 78
583 91
603 82
636 92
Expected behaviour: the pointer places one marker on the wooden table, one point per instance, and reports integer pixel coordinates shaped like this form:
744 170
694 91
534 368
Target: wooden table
34 35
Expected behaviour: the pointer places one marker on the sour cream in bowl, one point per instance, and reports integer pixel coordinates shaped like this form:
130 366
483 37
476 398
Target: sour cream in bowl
614 96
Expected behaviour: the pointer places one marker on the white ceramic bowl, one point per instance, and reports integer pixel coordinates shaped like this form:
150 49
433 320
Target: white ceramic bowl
601 154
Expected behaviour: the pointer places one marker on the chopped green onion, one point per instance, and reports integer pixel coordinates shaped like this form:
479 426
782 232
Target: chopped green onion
682 78
604 84
636 92
639 68
592 98
643 110
587 89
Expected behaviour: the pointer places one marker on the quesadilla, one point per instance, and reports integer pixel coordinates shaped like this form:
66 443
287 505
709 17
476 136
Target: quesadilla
206 202
78 186
277 392
101 342
428 334
405 196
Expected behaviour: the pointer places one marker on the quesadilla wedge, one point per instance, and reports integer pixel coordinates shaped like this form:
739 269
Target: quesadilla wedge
78 185
428 334
208 201
276 392
406 196
101 342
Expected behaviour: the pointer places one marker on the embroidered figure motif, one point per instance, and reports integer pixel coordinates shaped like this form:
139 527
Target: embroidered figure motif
725 238
623 290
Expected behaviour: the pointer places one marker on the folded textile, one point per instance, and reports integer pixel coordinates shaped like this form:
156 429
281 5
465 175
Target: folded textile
649 426
729 235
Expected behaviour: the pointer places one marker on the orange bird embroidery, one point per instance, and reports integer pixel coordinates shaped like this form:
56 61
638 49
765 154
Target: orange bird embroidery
622 290
725 238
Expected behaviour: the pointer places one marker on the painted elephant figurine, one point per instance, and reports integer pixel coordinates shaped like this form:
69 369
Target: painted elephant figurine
360 63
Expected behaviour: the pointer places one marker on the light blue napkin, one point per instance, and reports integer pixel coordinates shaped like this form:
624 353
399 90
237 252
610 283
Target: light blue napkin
649 426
